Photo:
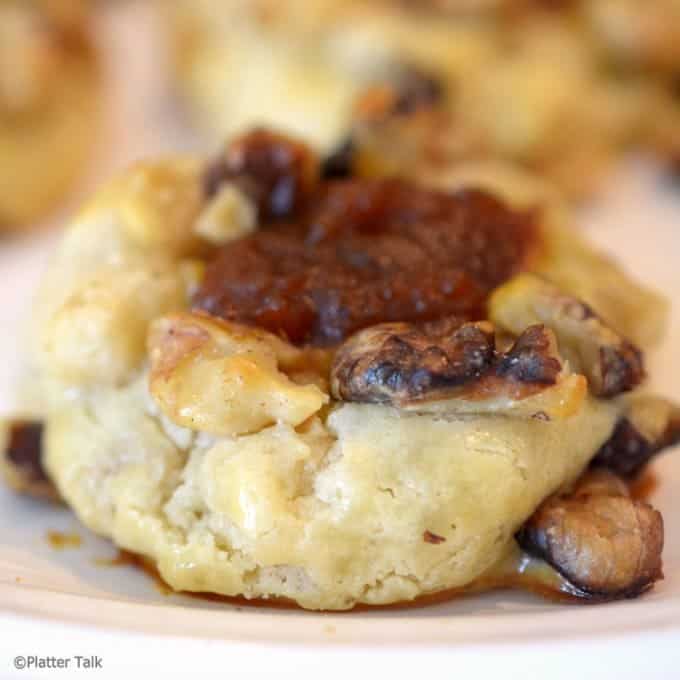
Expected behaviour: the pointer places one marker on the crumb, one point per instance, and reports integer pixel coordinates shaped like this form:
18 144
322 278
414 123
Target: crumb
63 541
435 539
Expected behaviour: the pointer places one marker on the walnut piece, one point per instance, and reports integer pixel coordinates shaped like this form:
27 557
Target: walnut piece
451 366
650 425
228 216
21 459
611 363
606 544
226 379
339 164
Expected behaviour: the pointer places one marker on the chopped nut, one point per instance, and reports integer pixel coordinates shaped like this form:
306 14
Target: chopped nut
607 545
650 425
276 172
228 216
226 379
21 460
338 165
448 363
532 359
400 362
611 363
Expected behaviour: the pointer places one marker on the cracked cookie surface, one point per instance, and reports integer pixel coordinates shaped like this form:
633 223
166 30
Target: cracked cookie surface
218 450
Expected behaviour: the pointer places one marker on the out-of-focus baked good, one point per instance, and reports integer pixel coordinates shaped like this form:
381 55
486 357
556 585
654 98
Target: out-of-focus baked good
49 104
560 88
272 384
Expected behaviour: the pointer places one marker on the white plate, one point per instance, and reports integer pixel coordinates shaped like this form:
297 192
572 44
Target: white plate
62 603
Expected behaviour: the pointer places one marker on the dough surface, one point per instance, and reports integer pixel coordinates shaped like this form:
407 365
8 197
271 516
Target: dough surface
328 515
326 503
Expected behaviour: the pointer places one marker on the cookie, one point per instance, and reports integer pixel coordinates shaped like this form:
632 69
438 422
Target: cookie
562 89
336 392
49 106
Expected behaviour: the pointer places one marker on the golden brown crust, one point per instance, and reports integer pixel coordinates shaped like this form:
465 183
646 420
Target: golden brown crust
228 379
275 171
216 449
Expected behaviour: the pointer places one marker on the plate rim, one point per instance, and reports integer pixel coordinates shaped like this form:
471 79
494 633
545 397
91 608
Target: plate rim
574 623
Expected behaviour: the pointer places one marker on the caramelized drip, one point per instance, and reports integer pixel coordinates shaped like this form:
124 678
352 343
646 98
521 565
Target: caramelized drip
125 558
63 541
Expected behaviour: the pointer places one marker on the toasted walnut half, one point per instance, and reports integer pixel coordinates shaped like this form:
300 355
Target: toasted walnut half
607 545
452 366
227 379
21 459
611 363
650 425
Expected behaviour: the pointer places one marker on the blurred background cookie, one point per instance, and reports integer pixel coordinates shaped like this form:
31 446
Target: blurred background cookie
49 104
562 88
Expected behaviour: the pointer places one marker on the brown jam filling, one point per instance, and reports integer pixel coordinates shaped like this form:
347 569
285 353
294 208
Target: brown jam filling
345 255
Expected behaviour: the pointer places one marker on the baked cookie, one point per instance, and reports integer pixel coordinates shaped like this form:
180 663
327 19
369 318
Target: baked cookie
560 88
49 104
273 384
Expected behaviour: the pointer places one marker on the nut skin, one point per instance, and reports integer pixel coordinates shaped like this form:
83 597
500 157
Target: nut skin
24 448
605 544
621 369
339 164
278 173
612 364
21 462
220 378
531 359
400 362
634 442
403 364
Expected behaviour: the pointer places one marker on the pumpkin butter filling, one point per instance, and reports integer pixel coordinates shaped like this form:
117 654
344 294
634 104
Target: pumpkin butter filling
272 377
